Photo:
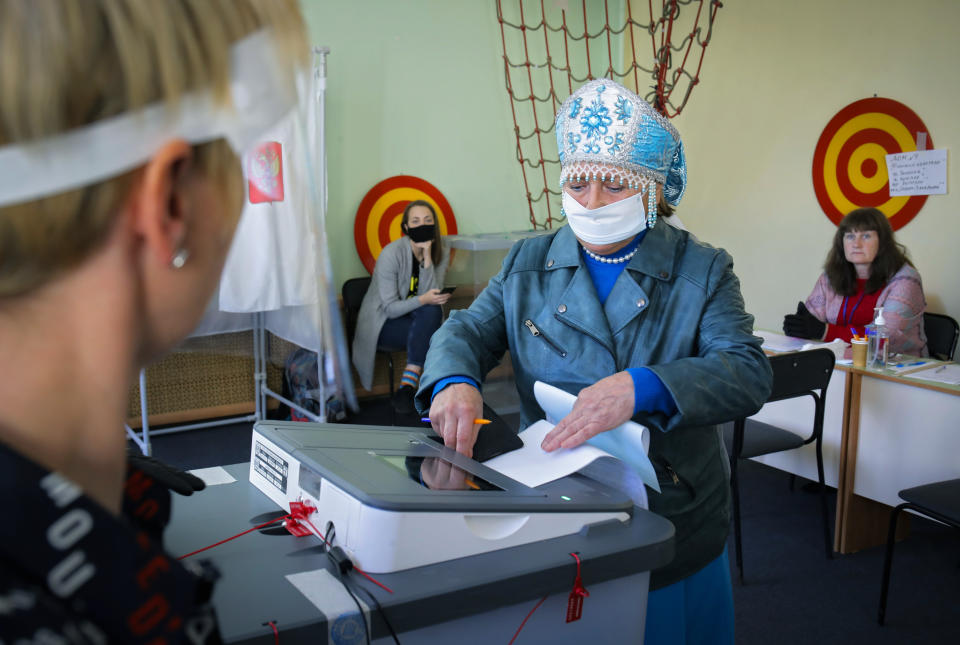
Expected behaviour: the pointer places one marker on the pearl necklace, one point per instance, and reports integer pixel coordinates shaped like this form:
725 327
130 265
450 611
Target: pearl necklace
606 260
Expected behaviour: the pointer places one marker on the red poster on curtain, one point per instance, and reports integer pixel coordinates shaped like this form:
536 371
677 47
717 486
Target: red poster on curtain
265 173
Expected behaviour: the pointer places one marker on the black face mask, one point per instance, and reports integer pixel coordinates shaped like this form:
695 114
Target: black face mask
422 233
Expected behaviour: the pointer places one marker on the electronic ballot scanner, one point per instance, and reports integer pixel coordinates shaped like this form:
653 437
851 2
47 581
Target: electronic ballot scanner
445 547
388 494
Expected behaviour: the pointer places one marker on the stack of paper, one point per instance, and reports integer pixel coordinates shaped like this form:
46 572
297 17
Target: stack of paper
532 466
910 364
778 343
775 342
948 373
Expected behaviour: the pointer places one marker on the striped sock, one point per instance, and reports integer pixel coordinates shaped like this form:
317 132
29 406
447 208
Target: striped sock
410 378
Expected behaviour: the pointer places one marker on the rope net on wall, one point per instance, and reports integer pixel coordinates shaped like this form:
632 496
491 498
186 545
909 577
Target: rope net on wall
551 47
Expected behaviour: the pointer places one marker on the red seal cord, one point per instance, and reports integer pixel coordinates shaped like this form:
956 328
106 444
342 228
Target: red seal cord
259 526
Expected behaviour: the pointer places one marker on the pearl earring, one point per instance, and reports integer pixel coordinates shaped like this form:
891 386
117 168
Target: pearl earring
180 258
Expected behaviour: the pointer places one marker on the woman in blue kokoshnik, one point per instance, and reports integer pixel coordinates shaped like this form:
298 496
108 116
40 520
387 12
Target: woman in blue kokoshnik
637 318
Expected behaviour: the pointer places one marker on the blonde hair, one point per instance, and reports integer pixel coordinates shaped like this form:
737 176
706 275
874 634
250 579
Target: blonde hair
64 64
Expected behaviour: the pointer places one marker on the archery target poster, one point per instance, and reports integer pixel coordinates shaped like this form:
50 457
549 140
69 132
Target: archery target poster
850 159
381 211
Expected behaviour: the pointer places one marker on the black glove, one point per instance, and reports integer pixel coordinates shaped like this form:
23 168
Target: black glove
165 475
803 324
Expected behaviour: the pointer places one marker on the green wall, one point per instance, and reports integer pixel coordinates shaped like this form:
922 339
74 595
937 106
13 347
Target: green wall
775 74
416 88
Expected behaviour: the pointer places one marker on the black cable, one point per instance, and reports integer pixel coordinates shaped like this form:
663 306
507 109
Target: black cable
338 567
329 532
342 566
363 617
380 610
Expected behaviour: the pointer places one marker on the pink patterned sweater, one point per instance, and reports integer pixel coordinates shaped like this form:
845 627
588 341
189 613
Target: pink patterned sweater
903 306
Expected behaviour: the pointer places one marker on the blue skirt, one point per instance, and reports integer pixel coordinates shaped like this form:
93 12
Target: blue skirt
695 610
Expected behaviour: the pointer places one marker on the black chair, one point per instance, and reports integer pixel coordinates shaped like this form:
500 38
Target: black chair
794 375
353 292
939 501
942 333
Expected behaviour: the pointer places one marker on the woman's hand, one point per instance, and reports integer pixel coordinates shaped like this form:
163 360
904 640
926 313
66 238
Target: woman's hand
439 474
804 324
603 406
452 413
422 251
433 297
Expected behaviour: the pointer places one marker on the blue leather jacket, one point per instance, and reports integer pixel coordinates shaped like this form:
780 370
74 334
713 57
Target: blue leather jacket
676 309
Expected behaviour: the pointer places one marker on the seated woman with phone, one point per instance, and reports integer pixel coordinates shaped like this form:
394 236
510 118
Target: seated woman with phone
402 305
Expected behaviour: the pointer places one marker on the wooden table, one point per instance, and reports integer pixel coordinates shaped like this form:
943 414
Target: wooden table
898 432
882 433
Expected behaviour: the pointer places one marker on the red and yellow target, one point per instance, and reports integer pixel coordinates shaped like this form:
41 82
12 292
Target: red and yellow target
381 212
849 163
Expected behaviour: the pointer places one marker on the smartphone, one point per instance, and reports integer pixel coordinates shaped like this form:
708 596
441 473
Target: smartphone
448 290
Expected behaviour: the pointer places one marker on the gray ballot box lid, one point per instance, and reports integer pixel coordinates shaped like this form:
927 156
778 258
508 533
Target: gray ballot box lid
379 467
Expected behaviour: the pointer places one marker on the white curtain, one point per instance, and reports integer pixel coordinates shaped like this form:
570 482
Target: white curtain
272 266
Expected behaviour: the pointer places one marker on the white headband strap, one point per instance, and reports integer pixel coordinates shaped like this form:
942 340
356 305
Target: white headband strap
261 96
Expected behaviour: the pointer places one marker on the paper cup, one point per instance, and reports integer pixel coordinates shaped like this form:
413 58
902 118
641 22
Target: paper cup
859 352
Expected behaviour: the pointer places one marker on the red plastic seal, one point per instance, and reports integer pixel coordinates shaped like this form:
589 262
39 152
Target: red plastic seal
577 594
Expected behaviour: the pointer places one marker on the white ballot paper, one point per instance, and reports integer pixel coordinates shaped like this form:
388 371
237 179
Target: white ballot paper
213 476
532 466
774 342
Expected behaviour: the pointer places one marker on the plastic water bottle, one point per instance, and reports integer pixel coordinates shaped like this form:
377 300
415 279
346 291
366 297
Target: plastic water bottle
877 341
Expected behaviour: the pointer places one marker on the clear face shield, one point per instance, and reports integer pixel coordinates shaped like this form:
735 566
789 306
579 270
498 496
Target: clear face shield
276 130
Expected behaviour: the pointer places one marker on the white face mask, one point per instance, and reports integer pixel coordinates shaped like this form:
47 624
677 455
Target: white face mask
608 224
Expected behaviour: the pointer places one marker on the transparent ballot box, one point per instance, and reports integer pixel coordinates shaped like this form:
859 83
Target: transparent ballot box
474 259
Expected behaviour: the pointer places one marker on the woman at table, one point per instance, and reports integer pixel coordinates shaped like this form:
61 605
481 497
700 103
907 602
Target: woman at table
865 268
402 306
120 189
638 319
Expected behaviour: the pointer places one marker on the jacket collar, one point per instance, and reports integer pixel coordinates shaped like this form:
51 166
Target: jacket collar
564 251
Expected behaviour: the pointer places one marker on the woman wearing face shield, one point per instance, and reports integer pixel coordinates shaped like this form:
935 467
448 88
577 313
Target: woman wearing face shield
402 306
637 318
120 188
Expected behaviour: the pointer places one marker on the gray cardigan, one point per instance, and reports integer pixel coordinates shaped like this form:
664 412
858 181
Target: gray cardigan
387 298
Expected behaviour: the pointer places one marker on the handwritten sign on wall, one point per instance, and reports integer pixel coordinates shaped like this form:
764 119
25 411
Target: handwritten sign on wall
921 172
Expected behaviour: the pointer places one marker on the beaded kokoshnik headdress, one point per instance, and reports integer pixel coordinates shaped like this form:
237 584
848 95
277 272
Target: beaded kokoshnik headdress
606 132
